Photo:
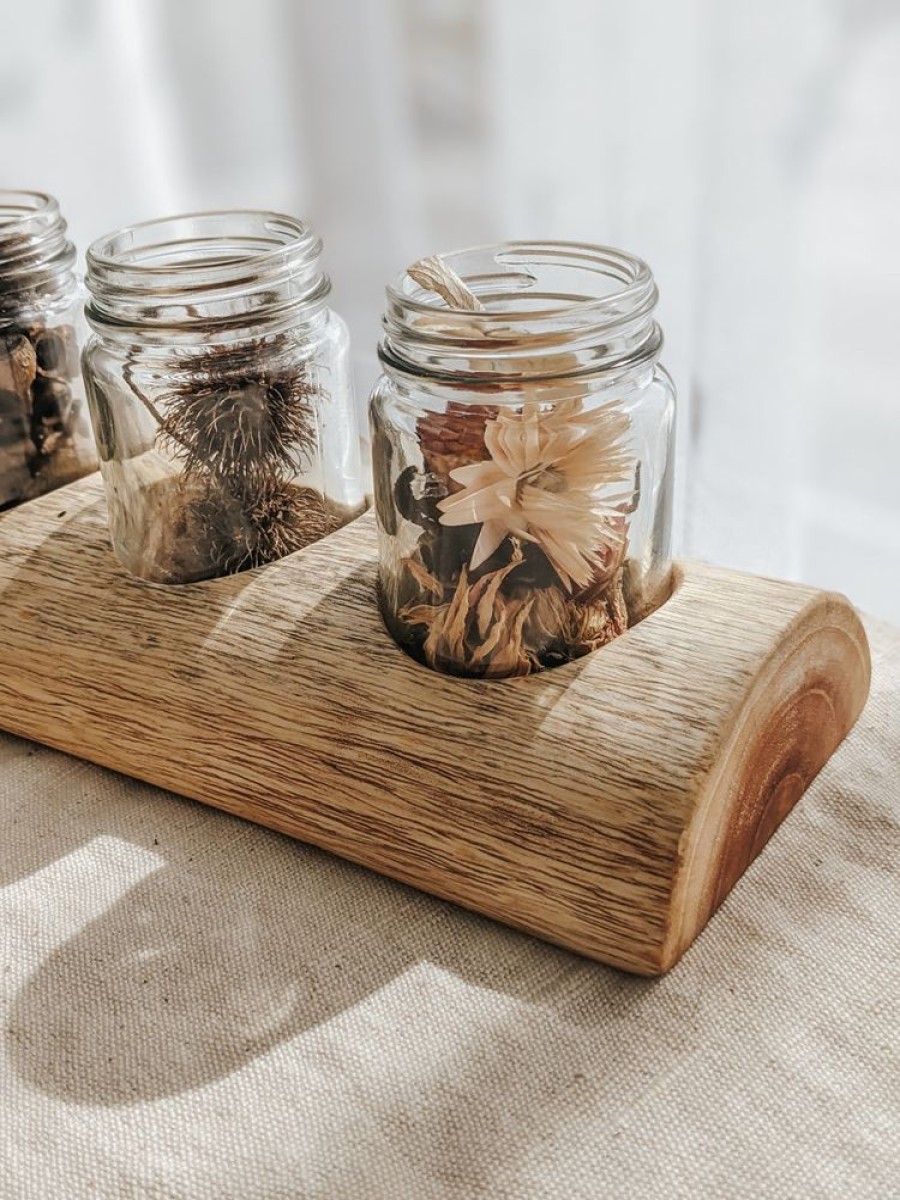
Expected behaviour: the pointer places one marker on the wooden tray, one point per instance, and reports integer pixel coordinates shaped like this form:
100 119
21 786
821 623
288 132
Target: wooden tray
608 806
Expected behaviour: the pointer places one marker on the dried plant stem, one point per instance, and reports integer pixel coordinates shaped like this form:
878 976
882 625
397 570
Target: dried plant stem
128 375
434 275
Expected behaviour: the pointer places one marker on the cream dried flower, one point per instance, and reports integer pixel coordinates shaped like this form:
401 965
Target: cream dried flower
551 479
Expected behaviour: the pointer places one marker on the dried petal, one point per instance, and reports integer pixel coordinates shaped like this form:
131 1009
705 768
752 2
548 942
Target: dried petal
423 577
510 656
486 604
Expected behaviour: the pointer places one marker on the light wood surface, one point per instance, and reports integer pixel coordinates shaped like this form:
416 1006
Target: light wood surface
608 805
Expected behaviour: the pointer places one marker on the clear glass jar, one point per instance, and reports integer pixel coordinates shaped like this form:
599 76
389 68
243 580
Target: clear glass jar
219 385
45 437
522 459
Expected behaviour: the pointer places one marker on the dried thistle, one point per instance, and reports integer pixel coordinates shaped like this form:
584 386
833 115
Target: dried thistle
250 530
234 423
240 429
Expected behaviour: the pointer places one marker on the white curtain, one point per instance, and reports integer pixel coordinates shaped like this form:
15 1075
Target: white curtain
749 152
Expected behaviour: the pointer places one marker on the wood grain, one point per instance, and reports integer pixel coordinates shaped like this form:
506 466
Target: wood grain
608 805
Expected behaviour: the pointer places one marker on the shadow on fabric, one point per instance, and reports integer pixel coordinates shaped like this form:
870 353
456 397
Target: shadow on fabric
243 940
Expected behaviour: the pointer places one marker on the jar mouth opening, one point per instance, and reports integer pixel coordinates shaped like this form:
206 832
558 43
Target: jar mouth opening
527 281
36 257
216 244
548 309
213 268
26 212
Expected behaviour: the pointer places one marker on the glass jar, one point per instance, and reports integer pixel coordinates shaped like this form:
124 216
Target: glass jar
219 386
522 458
45 437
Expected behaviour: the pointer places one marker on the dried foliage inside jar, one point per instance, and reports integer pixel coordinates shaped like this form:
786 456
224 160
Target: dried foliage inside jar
39 409
524 510
235 427
522 557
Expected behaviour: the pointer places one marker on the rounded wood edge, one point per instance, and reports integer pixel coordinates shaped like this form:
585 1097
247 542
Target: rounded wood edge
801 705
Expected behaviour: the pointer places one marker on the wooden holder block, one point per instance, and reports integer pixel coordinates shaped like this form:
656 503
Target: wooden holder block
608 805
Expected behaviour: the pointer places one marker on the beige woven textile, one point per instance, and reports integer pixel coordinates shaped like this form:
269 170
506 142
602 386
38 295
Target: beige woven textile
196 1008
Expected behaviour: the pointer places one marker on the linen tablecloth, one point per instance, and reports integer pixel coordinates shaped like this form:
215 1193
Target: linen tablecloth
193 1007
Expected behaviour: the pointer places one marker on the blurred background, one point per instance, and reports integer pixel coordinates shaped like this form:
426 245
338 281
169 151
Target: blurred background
750 152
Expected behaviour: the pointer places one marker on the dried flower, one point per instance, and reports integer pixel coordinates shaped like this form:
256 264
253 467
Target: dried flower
423 577
502 625
232 422
550 480
241 427
434 275
248 531
478 631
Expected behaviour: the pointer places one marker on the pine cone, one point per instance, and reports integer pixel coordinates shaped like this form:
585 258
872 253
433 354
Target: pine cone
454 438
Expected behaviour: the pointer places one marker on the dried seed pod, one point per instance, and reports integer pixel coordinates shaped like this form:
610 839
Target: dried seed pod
382 466
416 496
39 353
18 364
231 422
13 416
51 400
16 447
250 531
56 351
454 438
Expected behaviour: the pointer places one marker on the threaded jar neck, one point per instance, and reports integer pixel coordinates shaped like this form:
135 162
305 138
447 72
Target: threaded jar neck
550 310
37 261
217 274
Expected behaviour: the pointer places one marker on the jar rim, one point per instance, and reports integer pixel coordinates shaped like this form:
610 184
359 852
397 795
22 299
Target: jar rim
118 250
551 308
217 267
611 263
19 209
36 257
